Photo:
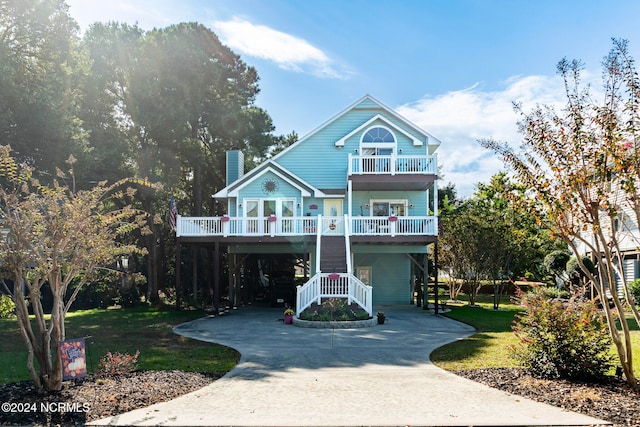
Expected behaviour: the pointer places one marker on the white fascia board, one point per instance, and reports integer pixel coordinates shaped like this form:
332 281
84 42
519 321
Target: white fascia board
430 139
222 194
340 143
303 191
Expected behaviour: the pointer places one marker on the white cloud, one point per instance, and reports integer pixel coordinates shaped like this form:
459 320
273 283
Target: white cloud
289 52
458 119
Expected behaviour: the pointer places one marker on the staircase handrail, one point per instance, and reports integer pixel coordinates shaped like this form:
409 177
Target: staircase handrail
307 294
333 285
347 243
361 294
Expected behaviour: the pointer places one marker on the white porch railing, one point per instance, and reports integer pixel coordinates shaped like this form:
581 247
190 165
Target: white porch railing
392 165
306 225
393 226
246 226
334 285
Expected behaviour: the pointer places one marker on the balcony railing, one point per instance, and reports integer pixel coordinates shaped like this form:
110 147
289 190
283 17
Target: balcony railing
393 165
296 226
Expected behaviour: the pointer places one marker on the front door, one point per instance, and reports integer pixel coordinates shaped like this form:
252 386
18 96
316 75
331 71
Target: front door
333 220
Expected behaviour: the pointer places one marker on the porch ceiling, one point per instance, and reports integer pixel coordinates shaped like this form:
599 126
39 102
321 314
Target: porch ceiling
402 182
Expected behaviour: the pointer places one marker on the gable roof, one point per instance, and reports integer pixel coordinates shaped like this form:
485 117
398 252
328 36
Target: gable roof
269 166
377 117
232 189
429 139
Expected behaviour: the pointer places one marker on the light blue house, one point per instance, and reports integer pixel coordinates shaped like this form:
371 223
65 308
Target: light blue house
355 200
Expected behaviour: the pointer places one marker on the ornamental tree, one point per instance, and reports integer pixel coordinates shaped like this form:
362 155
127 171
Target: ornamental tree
582 168
56 236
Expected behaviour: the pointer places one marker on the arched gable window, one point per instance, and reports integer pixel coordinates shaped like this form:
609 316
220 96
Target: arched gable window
377 141
378 134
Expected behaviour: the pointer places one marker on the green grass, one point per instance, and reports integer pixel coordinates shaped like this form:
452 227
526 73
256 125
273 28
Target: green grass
124 330
489 348
485 349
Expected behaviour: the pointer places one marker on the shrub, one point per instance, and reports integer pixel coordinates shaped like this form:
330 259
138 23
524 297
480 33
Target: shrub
634 287
554 292
7 307
561 339
556 261
334 309
113 364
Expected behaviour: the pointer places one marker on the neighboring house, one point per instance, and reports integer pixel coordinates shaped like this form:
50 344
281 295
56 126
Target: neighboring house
627 234
355 200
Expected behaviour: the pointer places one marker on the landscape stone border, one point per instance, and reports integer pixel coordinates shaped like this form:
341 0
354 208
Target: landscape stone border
335 324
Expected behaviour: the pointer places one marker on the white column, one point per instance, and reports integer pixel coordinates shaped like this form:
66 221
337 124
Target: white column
349 197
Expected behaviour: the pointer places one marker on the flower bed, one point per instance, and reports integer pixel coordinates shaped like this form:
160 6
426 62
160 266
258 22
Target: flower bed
334 309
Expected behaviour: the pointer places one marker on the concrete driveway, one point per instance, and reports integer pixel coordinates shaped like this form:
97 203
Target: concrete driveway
291 376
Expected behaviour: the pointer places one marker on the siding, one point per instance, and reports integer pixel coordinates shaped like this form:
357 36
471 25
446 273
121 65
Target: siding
235 165
317 160
254 190
390 276
417 198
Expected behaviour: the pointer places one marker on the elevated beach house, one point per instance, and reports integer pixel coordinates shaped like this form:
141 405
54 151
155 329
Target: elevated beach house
355 201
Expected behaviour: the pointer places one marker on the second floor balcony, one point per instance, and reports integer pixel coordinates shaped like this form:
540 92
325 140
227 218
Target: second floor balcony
392 172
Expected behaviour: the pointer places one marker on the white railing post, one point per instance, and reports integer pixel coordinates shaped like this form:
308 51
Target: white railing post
318 242
319 290
347 242
271 220
225 226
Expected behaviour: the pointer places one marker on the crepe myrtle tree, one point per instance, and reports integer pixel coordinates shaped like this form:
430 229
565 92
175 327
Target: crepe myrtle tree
582 169
57 236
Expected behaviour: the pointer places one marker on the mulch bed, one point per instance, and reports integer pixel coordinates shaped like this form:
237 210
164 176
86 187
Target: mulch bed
95 398
611 400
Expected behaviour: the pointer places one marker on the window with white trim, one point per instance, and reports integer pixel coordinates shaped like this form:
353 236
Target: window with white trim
377 141
388 207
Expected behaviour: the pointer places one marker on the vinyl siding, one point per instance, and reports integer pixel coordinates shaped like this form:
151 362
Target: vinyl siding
390 276
417 198
235 165
318 161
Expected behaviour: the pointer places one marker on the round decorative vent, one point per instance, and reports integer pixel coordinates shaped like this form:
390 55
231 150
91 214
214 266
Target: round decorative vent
269 185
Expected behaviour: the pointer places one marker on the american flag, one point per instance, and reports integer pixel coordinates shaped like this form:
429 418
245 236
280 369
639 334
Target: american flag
173 213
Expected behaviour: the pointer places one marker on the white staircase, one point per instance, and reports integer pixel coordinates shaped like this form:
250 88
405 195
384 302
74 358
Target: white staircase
334 277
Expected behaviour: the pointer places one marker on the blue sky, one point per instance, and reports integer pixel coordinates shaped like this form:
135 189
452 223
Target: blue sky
453 67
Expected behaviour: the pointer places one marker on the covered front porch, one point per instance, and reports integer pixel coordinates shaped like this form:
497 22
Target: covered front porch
272 226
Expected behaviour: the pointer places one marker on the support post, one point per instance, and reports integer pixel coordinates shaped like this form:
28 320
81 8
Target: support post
178 281
216 278
210 272
435 278
425 280
230 293
194 271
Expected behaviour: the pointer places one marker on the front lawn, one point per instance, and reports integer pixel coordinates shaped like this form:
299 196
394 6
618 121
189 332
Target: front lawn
489 347
124 330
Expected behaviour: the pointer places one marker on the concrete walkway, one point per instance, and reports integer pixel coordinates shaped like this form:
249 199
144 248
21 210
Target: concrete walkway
290 376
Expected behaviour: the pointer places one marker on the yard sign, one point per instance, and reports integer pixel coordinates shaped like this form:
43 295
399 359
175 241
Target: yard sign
74 361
